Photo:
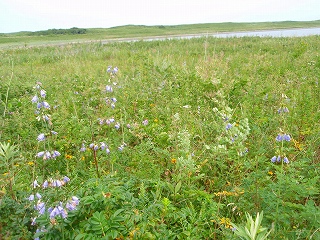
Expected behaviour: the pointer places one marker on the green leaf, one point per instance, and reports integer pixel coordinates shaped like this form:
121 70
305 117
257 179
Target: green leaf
170 186
87 200
177 187
118 212
80 236
113 233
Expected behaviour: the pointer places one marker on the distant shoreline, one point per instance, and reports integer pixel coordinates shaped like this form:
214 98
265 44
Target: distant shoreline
133 33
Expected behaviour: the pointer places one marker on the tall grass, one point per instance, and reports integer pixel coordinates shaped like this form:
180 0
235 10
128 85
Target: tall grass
200 162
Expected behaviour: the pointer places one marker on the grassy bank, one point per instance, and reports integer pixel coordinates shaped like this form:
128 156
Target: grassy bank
175 140
132 31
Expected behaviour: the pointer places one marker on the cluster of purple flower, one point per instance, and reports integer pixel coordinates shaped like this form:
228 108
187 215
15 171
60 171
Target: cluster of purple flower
102 146
39 98
109 88
145 122
277 159
41 137
283 137
73 203
56 211
45 155
111 101
122 146
39 206
96 147
246 150
283 110
60 210
112 71
52 182
228 126
109 122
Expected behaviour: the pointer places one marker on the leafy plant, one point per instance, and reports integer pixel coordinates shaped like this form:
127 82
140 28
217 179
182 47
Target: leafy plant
8 159
252 230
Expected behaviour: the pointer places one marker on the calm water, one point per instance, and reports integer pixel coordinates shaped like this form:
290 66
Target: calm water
297 32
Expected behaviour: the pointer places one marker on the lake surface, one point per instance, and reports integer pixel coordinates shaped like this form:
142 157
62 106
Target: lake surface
296 32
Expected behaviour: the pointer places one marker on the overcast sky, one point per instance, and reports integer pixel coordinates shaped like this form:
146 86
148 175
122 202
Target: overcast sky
34 15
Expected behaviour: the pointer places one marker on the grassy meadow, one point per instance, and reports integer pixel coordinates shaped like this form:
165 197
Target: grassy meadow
174 139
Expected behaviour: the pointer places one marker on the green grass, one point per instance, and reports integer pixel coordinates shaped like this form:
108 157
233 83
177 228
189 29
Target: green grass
136 31
183 175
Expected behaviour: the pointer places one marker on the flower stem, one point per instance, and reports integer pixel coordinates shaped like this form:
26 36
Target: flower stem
96 162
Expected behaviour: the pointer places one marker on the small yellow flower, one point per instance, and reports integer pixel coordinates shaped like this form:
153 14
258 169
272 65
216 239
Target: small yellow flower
226 193
68 156
223 193
173 160
270 173
155 120
297 145
226 222
133 232
83 158
30 163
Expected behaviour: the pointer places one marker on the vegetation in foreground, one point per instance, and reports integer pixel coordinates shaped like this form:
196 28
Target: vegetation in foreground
63 36
188 139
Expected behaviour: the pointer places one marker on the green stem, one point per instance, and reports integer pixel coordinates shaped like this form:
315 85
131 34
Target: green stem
75 109
7 94
62 230
6 100
96 162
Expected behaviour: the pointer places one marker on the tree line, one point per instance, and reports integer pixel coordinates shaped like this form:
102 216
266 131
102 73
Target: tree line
70 31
